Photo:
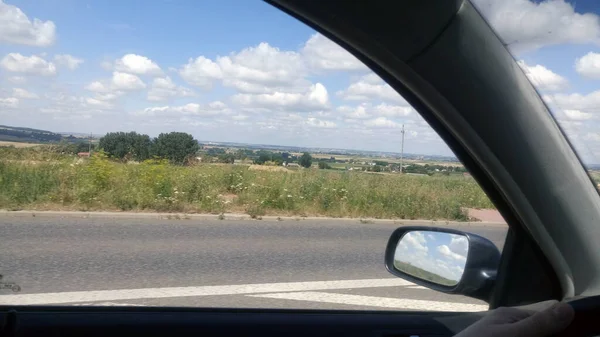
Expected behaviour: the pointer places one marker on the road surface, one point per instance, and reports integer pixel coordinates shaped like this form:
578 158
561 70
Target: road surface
313 264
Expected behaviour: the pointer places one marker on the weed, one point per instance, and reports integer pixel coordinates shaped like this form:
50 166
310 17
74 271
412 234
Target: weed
155 185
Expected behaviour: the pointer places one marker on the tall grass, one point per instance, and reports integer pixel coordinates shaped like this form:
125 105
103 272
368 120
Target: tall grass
100 184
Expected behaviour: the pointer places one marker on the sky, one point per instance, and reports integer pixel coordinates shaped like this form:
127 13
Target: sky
443 254
242 71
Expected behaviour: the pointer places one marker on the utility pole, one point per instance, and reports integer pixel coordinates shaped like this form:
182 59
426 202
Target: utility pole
90 145
402 152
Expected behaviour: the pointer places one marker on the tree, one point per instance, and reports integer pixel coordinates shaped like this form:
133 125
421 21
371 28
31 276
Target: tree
377 168
120 144
305 160
324 166
175 146
227 158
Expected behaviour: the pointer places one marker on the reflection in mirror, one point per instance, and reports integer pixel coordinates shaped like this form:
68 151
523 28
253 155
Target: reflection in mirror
432 256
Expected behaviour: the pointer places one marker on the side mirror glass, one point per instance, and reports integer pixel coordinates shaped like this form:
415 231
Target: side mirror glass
436 257
444 259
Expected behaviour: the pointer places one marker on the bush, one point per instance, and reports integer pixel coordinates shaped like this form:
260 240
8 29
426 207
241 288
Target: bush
324 166
305 160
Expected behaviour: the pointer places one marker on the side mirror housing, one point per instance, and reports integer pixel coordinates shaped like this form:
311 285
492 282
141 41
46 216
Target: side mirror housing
444 259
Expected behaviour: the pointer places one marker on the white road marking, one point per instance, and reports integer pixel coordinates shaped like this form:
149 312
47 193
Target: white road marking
109 304
372 301
133 294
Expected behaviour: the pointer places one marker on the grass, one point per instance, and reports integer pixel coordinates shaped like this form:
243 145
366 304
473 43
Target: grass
423 274
17 144
68 183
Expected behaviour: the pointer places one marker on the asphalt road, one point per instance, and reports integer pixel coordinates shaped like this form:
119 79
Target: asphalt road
78 257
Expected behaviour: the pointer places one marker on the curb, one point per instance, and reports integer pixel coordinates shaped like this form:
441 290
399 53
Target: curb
232 216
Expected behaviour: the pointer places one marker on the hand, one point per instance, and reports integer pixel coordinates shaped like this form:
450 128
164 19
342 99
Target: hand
512 322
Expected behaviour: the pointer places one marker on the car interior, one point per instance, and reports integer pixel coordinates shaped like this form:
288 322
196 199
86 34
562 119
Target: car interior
450 65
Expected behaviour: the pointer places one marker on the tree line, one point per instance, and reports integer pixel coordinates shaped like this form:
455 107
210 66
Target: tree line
177 147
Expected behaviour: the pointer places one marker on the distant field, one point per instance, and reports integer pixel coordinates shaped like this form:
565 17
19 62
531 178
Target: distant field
17 144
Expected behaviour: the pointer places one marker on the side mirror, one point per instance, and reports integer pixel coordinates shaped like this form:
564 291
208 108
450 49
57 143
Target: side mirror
444 259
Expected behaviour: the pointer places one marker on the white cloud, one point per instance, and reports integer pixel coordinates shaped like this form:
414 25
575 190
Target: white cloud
382 122
97 86
459 245
33 65
526 25
358 112
260 69
201 72
366 111
163 88
584 103
592 136
315 98
17 79
392 110
323 54
17 28
191 109
318 123
10 102
264 66
416 241
578 115
589 65
137 64
445 250
543 78
98 103
124 81
22 93
68 61
368 88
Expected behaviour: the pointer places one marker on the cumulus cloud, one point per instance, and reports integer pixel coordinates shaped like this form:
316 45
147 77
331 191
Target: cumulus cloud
125 81
9 102
318 123
370 87
259 69
382 122
589 65
201 72
525 25
17 79
137 64
315 98
543 78
163 88
17 28
444 250
22 93
32 65
323 54
191 109
578 115
459 244
583 103
416 241
69 61
97 86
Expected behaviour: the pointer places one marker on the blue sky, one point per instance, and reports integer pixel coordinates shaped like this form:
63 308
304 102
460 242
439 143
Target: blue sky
243 71
440 253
